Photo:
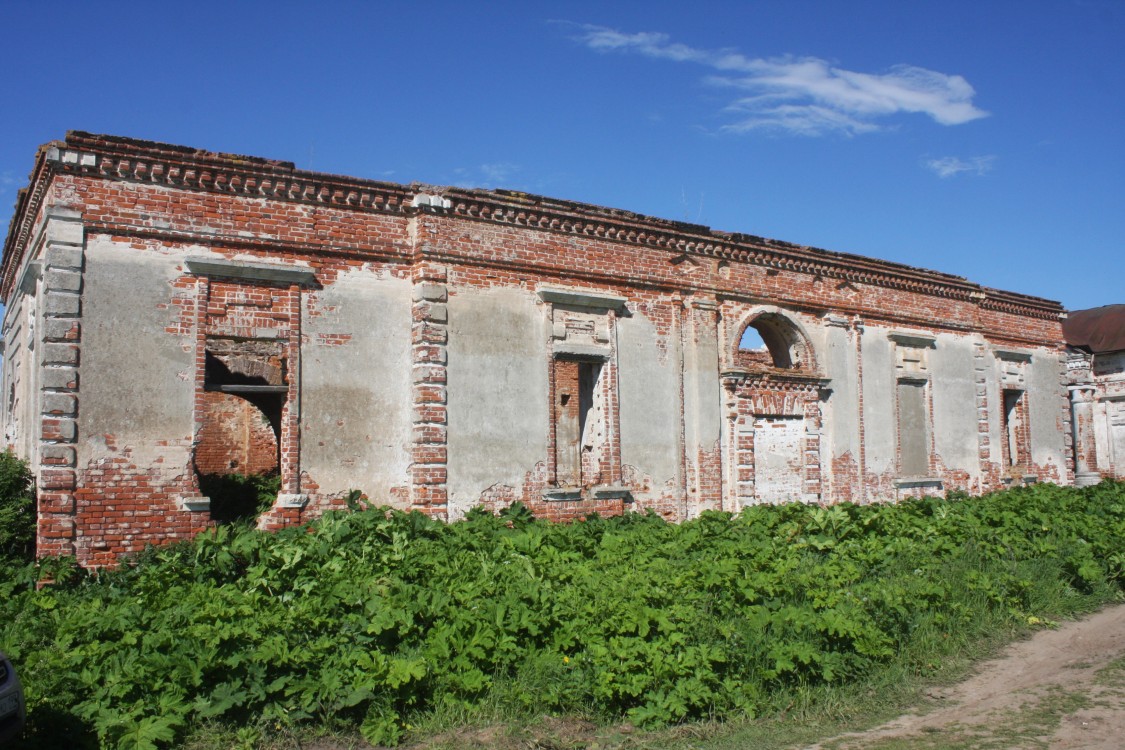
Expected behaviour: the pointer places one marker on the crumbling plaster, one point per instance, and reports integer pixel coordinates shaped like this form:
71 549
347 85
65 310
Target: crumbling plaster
355 389
498 401
428 335
650 424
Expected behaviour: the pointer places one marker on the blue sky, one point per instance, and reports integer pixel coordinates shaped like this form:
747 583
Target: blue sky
984 139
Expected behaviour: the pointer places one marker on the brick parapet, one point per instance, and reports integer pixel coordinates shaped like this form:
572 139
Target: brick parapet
345 209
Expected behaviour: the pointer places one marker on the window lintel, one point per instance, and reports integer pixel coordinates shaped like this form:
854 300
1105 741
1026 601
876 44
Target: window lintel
585 352
1012 355
32 272
905 482
916 340
582 298
240 269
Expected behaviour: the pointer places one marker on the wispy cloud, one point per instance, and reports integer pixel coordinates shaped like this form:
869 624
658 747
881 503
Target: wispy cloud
950 166
804 95
491 175
499 173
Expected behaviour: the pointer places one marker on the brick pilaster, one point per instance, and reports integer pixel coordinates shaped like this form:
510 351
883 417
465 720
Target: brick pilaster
429 337
1070 449
61 341
701 403
290 437
982 365
812 488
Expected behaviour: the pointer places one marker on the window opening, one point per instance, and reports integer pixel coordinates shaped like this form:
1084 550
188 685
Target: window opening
578 423
753 349
751 340
770 340
1013 426
238 456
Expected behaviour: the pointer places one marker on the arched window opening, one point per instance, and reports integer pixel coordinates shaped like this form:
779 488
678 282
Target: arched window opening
772 341
753 347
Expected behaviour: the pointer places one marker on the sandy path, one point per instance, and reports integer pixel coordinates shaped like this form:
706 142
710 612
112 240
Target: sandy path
1050 691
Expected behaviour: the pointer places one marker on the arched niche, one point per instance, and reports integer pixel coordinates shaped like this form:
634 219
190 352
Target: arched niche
769 339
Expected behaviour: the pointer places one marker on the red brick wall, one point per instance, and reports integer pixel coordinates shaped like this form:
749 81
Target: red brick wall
166 199
234 437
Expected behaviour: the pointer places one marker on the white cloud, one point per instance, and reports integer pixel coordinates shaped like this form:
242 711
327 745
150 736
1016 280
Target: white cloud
493 175
805 95
949 166
498 173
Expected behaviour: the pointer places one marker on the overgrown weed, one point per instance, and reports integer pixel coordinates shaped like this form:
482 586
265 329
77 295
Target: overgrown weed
397 626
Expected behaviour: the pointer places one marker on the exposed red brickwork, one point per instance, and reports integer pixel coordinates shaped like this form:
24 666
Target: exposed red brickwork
235 437
122 507
243 310
761 397
578 510
567 405
1015 429
696 287
501 496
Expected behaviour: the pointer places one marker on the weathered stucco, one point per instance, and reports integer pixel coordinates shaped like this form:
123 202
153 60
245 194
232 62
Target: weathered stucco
1048 411
355 387
497 392
842 406
171 312
649 382
954 386
21 373
126 301
878 408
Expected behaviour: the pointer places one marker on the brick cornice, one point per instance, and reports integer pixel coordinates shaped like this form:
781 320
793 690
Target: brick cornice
636 229
29 200
625 227
562 272
116 158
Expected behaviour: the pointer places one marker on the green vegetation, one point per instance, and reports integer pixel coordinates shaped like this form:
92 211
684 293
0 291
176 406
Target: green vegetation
17 511
385 621
239 498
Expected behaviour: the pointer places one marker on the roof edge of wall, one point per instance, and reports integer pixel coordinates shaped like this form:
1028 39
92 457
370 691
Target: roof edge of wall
128 159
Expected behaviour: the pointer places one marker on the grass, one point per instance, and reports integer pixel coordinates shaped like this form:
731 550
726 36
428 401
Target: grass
778 628
803 717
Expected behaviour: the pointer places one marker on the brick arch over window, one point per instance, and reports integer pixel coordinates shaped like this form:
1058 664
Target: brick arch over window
769 339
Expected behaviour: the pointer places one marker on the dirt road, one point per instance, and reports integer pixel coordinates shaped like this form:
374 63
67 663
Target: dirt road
1061 688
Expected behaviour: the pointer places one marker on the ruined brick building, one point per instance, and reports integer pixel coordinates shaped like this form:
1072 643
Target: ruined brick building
1096 370
172 313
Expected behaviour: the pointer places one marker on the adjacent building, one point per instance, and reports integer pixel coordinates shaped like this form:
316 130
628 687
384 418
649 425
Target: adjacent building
1096 366
173 315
